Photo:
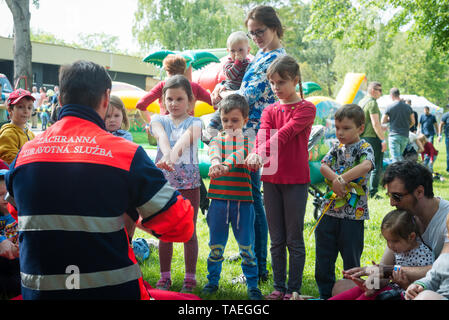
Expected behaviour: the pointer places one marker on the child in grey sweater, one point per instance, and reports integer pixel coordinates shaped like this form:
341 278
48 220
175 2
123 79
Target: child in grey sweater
435 285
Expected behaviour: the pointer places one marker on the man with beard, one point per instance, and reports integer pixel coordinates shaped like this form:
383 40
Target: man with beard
409 186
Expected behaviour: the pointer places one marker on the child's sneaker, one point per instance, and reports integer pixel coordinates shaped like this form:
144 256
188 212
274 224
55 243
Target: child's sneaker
210 289
163 284
188 286
255 294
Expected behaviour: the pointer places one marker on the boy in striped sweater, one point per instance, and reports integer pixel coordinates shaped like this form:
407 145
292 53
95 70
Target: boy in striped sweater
230 192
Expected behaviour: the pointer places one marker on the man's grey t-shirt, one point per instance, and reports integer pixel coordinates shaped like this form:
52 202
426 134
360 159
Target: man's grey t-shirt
399 113
436 231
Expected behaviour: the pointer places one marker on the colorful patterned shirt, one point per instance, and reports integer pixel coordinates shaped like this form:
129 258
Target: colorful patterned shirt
340 159
236 185
8 228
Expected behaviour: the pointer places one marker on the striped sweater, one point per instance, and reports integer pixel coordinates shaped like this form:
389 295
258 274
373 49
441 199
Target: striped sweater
234 70
236 185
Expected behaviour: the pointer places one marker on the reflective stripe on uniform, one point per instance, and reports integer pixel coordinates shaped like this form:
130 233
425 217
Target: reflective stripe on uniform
70 223
86 280
157 202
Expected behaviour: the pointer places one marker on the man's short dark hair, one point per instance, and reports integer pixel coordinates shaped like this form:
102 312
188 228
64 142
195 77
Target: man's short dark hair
412 174
234 101
351 111
83 83
395 92
374 85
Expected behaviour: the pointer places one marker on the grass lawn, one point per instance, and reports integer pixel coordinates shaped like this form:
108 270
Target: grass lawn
374 245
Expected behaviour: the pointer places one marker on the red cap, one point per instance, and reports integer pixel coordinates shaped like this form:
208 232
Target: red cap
17 95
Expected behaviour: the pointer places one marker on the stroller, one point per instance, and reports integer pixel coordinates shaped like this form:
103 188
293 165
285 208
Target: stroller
315 137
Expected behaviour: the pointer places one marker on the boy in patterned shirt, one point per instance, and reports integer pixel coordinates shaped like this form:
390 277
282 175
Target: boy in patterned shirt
346 169
230 191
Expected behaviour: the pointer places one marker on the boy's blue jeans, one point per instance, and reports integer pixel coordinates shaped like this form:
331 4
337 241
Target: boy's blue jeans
428 163
241 218
397 144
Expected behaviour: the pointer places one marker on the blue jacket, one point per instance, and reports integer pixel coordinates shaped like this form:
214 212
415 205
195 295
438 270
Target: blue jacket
72 240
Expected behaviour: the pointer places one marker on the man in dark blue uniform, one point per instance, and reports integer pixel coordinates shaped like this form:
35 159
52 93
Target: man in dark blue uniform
73 244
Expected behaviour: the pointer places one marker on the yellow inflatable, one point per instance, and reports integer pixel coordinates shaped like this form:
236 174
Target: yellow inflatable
354 82
130 95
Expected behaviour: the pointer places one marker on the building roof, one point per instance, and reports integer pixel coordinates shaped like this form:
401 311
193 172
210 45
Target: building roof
59 55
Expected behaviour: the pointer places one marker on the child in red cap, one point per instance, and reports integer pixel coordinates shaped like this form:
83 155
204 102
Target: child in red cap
15 134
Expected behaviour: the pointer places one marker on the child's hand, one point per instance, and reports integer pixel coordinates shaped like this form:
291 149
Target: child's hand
412 291
239 56
9 250
400 278
253 161
218 170
339 187
165 163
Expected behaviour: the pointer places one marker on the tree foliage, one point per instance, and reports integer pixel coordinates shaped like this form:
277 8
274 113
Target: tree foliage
181 25
357 22
396 62
99 42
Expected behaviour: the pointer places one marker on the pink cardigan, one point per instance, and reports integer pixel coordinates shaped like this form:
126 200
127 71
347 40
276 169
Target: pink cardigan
156 93
293 123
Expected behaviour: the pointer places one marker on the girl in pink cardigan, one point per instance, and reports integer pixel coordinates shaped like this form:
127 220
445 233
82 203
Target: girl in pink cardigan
281 147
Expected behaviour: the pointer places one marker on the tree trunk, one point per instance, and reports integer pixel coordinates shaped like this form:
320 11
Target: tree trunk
20 10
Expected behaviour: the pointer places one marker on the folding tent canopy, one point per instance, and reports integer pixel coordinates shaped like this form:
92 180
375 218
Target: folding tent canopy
418 104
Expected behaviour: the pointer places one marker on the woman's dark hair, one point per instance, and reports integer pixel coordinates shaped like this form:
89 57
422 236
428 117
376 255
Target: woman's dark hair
287 68
178 81
412 175
267 16
84 83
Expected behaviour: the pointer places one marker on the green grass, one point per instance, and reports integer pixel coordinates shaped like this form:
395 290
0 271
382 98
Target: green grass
373 250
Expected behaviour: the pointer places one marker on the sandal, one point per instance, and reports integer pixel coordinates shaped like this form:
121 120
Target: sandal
163 284
275 295
188 286
287 296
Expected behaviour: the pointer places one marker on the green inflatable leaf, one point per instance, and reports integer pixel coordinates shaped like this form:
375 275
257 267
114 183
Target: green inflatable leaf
309 87
198 59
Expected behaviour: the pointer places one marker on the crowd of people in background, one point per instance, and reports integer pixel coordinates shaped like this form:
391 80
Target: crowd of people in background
115 188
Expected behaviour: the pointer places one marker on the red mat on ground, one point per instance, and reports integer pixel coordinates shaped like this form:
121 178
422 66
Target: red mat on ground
157 294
